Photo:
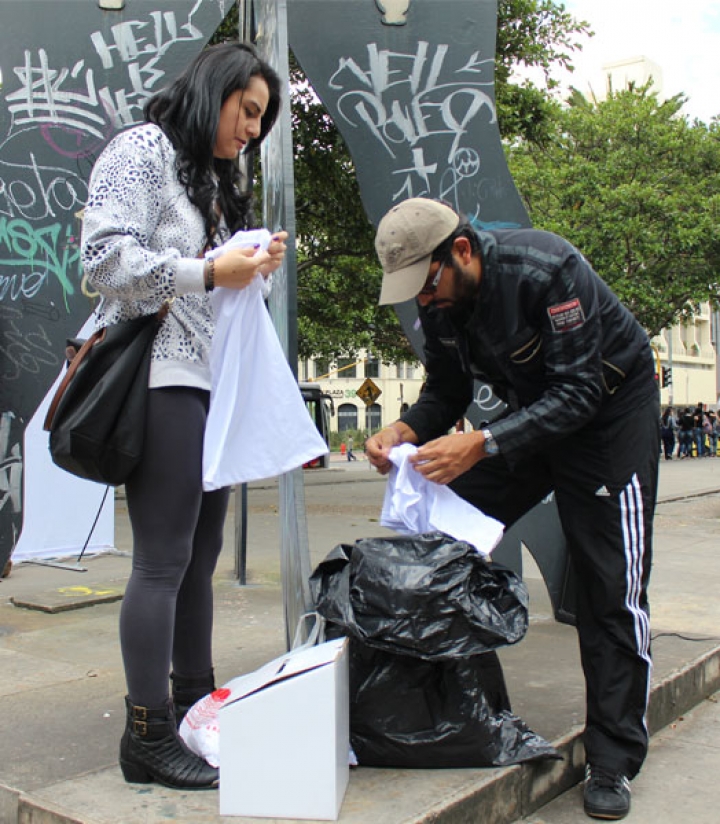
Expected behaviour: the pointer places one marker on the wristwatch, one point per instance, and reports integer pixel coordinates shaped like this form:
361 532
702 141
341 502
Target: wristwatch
490 446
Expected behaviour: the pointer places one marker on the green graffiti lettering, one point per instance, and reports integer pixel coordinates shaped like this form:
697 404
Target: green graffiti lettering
45 251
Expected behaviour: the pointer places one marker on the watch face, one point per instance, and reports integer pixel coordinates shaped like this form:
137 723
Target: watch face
491 448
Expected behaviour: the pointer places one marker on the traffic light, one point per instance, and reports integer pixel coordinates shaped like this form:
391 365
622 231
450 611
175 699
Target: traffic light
667 375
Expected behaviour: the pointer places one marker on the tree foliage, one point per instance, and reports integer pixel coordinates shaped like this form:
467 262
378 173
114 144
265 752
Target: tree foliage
531 34
633 185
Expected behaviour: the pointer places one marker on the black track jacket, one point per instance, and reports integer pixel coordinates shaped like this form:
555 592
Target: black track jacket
547 334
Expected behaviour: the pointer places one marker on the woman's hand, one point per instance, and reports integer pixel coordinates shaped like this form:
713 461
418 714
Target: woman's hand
238 267
276 250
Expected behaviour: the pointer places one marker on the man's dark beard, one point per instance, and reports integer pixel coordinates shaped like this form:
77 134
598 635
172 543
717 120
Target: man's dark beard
465 293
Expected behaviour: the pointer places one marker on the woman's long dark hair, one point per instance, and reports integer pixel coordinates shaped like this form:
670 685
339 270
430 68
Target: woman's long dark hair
188 111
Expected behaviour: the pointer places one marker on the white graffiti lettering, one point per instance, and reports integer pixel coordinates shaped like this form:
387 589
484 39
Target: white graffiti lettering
10 468
23 350
409 101
68 97
485 400
37 192
42 97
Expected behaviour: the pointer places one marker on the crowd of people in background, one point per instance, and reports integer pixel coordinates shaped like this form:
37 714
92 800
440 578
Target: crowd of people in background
693 431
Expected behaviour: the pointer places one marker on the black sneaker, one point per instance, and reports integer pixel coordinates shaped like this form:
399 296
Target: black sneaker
606 794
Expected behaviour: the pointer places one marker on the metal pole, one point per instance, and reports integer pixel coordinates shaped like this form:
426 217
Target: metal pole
244 25
670 364
241 534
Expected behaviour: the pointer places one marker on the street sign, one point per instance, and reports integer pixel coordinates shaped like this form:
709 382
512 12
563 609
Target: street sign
369 392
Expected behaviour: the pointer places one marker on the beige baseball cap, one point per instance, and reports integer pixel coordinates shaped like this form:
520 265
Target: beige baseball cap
405 240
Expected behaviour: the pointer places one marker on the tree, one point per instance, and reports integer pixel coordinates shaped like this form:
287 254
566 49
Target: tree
633 185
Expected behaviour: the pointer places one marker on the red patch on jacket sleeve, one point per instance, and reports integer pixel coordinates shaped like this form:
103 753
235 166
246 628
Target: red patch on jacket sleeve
566 316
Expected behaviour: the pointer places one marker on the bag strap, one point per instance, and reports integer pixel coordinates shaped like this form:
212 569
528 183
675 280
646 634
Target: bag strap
71 370
76 362
316 634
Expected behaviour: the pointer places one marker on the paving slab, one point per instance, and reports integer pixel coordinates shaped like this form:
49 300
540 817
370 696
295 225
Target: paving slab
678 782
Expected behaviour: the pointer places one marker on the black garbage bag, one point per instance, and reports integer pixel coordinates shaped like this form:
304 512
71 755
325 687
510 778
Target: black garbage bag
423 613
407 712
424 595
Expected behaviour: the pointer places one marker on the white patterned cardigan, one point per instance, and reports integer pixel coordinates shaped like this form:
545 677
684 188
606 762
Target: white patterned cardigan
140 244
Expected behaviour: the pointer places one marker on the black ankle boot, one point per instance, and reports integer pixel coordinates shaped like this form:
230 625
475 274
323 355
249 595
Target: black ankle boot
152 750
187 691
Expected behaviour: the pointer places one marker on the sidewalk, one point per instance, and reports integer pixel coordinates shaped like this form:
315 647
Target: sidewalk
62 683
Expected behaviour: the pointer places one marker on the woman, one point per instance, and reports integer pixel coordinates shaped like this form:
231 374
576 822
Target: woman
161 194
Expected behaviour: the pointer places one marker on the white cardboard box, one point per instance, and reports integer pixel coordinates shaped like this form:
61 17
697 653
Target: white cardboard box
285 737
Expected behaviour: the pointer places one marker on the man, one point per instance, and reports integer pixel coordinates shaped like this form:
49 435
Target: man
711 428
523 311
698 434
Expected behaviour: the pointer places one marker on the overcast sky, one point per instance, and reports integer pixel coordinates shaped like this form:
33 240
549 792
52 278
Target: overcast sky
683 38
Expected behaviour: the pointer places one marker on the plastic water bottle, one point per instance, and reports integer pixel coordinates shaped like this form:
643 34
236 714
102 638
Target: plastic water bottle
200 729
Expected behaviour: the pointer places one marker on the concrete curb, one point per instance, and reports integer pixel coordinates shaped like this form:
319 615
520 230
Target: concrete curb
685 496
509 793
23 809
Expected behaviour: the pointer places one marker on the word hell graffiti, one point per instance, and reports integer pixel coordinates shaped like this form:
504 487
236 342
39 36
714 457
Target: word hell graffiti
412 101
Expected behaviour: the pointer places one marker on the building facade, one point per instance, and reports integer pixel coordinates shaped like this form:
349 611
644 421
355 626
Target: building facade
687 353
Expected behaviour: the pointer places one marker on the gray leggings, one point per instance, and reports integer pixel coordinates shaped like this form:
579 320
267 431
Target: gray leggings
167 612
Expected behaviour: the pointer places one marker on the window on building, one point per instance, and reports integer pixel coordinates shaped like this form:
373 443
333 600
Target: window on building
372 367
405 370
373 418
347 368
347 417
322 367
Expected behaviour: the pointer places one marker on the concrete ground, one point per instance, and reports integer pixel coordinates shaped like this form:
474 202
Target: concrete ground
62 681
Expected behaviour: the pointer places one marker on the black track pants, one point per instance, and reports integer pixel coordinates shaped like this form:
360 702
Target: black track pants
605 482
